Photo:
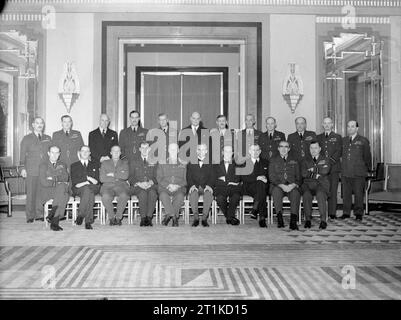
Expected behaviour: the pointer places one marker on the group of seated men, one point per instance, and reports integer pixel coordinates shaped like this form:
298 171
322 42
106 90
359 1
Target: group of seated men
219 163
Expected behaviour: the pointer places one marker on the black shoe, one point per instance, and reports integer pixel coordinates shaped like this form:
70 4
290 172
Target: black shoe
88 226
254 214
39 219
205 223
149 223
345 216
144 222
195 223
262 223
280 220
166 220
112 222
233 221
118 222
175 222
308 224
323 225
79 220
293 222
29 221
56 228
333 217
358 217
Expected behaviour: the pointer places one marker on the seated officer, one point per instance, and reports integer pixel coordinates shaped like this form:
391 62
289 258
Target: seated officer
85 184
114 176
227 185
255 184
200 182
53 184
285 179
144 184
171 177
315 170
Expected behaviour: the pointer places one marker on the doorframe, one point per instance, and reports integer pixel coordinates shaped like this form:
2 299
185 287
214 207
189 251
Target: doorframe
138 82
122 74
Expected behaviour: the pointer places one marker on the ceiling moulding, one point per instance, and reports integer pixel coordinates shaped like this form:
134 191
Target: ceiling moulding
358 20
297 3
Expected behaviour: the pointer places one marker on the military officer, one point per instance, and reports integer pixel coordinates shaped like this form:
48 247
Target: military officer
114 176
53 184
132 137
220 137
34 148
200 181
356 162
194 132
172 181
248 136
331 144
315 169
69 141
299 141
285 179
143 183
169 135
255 183
85 184
102 139
270 139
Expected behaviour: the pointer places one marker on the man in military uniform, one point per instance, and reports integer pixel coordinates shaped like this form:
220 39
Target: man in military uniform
255 183
69 141
53 184
220 137
169 135
299 141
356 162
143 183
315 169
102 139
331 144
248 136
285 179
270 139
132 137
114 176
34 148
85 184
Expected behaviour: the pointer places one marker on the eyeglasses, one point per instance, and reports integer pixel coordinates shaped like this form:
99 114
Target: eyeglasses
284 147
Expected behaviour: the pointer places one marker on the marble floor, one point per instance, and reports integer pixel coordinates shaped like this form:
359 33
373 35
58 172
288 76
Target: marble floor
349 260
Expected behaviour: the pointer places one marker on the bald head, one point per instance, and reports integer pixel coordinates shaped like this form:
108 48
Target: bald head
104 121
195 118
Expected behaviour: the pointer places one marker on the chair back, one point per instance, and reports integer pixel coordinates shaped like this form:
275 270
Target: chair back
393 177
380 171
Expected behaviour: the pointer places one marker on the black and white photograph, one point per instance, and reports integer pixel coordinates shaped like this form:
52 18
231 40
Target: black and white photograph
200 154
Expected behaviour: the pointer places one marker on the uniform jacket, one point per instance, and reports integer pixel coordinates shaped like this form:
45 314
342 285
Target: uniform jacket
228 139
142 172
356 157
260 168
300 148
171 174
33 152
168 135
230 175
79 173
130 142
69 145
120 170
244 143
197 176
284 172
58 173
321 167
100 146
332 148
269 146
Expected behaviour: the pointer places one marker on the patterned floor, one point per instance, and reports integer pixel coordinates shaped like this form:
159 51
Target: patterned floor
349 260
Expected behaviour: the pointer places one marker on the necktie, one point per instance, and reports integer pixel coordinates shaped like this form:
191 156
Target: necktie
54 165
314 159
86 164
285 160
270 136
103 133
350 139
144 160
327 135
301 135
134 129
67 133
39 137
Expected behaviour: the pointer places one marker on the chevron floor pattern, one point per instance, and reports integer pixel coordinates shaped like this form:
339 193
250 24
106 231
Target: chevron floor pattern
220 262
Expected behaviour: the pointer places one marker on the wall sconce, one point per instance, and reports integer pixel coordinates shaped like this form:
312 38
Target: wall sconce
68 89
293 88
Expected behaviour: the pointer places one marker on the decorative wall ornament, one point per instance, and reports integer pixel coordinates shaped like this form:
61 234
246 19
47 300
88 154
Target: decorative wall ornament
68 88
293 88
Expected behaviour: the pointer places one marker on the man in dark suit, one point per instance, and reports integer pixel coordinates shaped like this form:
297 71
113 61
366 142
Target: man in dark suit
53 184
356 163
143 183
228 185
131 138
69 141
191 136
85 184
34 148
220 137
114 176
331 144
285 179
162 137
102 139
300 140
255 183
270 139
248 136
315 169
200 181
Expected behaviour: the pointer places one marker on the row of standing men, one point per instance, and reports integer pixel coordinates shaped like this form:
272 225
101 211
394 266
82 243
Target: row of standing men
349 156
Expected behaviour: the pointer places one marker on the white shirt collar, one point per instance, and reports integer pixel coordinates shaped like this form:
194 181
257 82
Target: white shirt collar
354 136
